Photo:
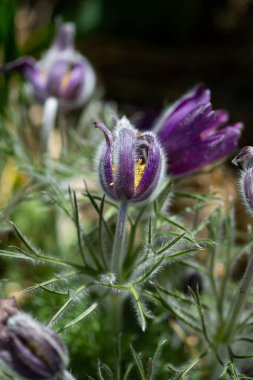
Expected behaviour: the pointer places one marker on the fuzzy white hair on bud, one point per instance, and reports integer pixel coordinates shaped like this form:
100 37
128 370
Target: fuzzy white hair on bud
109 278
246 189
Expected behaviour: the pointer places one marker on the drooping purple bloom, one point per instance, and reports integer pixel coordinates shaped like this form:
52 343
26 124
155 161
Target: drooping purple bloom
28 348
245 160
131 163
62 72
192 135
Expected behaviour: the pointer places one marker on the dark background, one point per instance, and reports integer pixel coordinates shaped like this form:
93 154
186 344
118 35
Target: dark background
148 53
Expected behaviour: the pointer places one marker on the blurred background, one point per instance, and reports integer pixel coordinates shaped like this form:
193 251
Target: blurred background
147 53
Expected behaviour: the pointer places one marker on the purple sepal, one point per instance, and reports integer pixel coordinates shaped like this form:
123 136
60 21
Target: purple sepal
105 165
130 163
65 36
170 119
124 159
28 67
246 188
152 173
244 158
19 64
203 152
191 134
77 79
65 80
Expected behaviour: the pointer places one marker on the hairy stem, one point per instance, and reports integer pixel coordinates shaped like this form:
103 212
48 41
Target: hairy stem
49 117
239 300
119 240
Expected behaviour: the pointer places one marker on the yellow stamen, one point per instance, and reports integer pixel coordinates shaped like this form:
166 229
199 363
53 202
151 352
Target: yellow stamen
139 170
65 80
42 74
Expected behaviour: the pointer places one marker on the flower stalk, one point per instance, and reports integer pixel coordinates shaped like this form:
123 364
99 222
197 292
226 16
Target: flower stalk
119 240
239 300
49 118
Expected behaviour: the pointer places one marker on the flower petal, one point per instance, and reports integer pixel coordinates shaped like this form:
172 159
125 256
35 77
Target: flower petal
19 64
247 188
152 172
170 119
28 67
244 158
65 36
203 152
70 89
200 123
105 162
58 71
124 161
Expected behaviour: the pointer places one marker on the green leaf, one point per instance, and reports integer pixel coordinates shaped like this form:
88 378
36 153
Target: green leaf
163 196
190 366
153 361
80 317
48 282
181 253
24 240
181 315
104 369
138 363
200 312
94 204
149 272
139 307
128 371
78 228
170 244
65 305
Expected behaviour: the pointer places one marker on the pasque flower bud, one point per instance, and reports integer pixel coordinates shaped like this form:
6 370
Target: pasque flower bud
28 348
245 160
131 163
62 73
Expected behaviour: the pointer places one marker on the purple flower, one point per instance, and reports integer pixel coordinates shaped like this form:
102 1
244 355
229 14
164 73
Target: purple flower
191 134
28 348
62 72
245 160
131 163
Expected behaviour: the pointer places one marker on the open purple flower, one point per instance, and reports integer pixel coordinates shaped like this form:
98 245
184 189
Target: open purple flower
131 163
191 134
62 73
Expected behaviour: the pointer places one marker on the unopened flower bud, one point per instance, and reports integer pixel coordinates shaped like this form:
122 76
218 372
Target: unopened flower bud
28 348
131 163
245 160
